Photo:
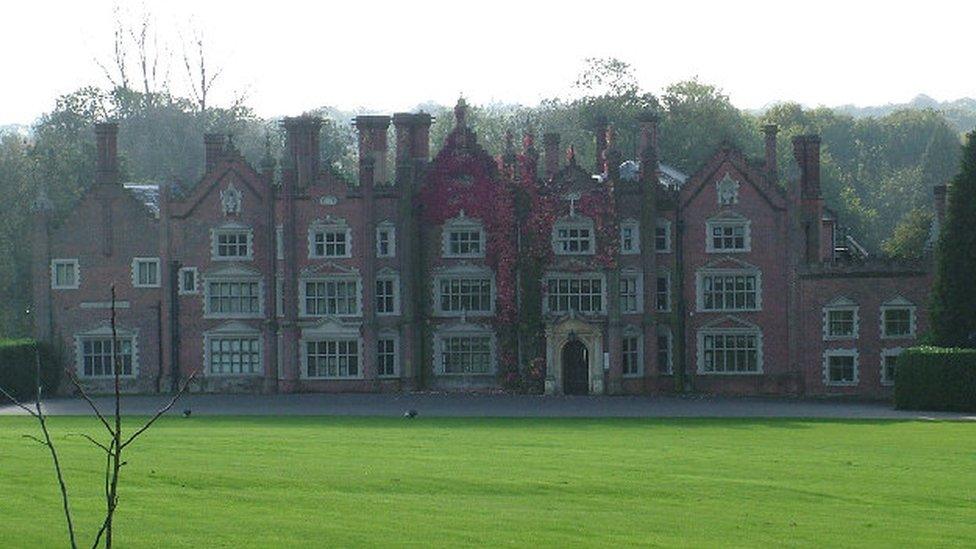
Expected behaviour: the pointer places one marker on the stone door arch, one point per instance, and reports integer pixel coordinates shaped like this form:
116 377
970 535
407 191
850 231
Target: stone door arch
557 336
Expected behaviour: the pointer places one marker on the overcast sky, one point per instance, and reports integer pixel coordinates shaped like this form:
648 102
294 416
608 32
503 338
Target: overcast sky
388 56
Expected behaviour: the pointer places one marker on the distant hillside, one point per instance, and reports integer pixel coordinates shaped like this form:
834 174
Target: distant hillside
961 113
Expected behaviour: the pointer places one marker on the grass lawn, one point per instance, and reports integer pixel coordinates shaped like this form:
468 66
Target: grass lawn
279 482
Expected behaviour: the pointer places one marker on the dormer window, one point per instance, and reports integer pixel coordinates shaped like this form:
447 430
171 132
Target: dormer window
629 237
332 241
573 237
463 238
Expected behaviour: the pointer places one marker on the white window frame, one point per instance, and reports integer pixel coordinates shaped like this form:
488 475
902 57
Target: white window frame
574 276
105 333
664 331
468 330
395 279
840 305
700 288
666 225
464 273
634 228
231 228
280 242
336 338
730 332
895 304
390 229
234 332
303 294
54 274
632 332
666 275
135 271
573 223
730 221
638 279
395 338
462 223
335 227
196 281
251 279
885 354
853 353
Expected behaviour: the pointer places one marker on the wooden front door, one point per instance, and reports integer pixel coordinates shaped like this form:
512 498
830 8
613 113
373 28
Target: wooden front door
576 369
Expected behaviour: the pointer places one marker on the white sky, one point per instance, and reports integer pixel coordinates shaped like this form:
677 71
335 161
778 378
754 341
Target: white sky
294 56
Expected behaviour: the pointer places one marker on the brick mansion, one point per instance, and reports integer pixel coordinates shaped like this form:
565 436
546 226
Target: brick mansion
464 271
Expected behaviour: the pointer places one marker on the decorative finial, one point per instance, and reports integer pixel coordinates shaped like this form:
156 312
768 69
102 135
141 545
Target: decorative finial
461 111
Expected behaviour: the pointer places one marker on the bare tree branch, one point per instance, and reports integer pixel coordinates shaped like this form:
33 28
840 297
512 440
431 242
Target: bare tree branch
35 439
91 403
16 402
163 410
92 440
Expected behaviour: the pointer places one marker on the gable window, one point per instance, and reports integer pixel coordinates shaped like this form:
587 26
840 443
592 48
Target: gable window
332 358
233 354
629 237
145 272
385 240
463 237
64 274
232 298
188 280
582 294
729 351
889 364
897 319
728 291
466 354
231 244
330 242
387 295
630 359
662 293
840 321
728 236
96 356
662 237
332 297
386 357
664 351
573 238
629 294
840 367
464 294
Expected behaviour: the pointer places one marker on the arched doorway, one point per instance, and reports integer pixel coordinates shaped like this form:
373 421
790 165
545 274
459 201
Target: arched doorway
576 368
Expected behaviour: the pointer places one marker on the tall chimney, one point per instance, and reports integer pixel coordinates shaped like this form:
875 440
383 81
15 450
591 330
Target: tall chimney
107 164
302 141
420 136
806 150
648 147
771 130
550 145
611 157
213 150
372 144
809 202
601 142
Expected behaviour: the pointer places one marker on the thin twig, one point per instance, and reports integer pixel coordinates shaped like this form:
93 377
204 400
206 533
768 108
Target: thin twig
163 410
35 439
17 403
92 440
84 395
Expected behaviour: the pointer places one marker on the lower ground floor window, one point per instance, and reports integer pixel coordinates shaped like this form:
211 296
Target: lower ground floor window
466 354
889 362
234 354
332 358
631 355
731 352
386 357
96 357
840 367
664 352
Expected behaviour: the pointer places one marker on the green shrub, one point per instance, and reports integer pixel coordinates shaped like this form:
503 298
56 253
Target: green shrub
936 378
17 373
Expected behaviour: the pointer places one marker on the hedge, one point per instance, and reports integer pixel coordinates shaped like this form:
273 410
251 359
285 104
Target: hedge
17 373
936 378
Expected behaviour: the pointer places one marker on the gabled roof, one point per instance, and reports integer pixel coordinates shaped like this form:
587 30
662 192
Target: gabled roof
772 193
231 165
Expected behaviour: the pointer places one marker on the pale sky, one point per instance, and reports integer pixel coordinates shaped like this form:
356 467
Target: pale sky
294 56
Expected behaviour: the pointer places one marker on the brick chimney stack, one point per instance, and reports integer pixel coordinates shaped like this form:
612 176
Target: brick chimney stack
107 164
770 130
373 146
601 142
550 145
806 150
302 142
808 202
213 150
648 151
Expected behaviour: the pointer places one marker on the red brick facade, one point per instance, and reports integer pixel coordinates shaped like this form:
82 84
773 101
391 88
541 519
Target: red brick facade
470 272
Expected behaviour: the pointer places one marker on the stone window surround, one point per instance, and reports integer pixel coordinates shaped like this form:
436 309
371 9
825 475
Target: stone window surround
462 223
229 228
634 274
666 331
460 330
390 228
135 272
666 274
700 294
634 332
899 303
841 304
666 225
463 271
634 227
105 332
395 336
384 275
65 261
233 330
887 352
728 219
575 221
583 275
240 278
280 242
196 281
302 305
841 352
330 330
702 332
329 226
